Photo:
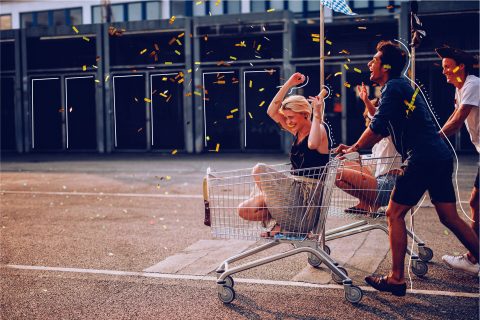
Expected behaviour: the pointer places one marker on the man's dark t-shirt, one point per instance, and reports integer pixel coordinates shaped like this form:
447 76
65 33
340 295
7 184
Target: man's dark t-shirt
414 134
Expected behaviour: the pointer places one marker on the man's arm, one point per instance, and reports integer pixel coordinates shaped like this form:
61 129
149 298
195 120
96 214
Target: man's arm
456 120
367 139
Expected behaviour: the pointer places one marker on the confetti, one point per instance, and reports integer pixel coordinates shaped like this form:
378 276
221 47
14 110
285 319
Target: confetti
136 100
197 62
357 70
390 7
261 103
205 38
197 93
189 70
229 116
172 41
362 28
168 62
250 83
178 42
147 100
86 39
171 20
459 79
346 84
174 151
328 42
456 69
241 44
315 35
338 73
234 110
344 51
198 2
97 81
140 129
258 47
217 147
445 232
233 58
207 138
75 29
387 66
84 67
261 89
337 95
315 39
251 117
177 52
143 51
271 10
345 65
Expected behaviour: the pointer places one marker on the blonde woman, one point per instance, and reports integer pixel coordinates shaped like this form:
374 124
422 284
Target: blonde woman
281 202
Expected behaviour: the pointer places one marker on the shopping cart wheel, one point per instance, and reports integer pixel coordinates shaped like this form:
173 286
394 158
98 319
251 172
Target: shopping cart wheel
338 279
313 260
419 268
326 249
425 253
229 281
353 294
227 294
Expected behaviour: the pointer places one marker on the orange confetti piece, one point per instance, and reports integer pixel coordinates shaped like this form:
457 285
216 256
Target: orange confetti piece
181 34
338 95
174 151
75 29
220 82
346 84
143 51
172 41
315 35
261 103
344 51
229 116
181 80
459 79
241 44
147 100
456 69
171 20
390 7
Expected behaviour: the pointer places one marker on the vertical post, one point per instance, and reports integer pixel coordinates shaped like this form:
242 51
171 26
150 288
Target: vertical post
412 67
322 47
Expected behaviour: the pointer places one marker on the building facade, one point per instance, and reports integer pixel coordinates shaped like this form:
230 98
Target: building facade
197 76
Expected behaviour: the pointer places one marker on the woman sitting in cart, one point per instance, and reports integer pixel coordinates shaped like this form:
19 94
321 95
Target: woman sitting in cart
373 189
289 201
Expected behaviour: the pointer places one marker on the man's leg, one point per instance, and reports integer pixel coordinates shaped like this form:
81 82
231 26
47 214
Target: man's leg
447 212
397 233
474 208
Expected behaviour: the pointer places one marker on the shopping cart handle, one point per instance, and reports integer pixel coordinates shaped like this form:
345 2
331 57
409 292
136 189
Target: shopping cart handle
206 220
351 156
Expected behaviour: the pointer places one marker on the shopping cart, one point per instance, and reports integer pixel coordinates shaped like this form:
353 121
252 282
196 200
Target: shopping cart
295 201
353 183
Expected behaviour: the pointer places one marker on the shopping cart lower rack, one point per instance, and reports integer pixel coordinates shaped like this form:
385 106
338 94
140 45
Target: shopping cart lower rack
248 203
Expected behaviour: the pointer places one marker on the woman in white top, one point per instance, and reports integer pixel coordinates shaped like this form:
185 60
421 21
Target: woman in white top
373 190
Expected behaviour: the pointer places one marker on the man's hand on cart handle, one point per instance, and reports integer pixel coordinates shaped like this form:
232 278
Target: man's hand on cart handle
347 152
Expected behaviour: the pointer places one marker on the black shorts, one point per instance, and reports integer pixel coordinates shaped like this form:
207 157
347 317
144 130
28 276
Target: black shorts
434 176
476 179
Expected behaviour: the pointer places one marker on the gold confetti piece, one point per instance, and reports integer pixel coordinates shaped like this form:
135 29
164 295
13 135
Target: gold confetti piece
338 95
251 117
315 35
84 67
362 28
168 62
233 58
198 2
168 178
164 78
344 51
197 62
86 39
97 81
178 42
234 110
207 138
445 232
181 80
197 93
456 69
258 47
189 70
75 29
316 39
328 42
271 10
241 44
261 89
250 83
346 84
261 103
345 65
174 151
107 77
177 52
338 73
163 94
229 116
171 20
387 66
357 70
143 51
217 147
220 82
459 79
181 35
147 100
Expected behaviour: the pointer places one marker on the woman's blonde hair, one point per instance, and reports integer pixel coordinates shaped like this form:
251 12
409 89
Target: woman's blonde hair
296 103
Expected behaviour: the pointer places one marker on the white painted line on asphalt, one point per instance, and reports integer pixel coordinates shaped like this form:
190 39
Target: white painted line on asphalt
104 194
237 280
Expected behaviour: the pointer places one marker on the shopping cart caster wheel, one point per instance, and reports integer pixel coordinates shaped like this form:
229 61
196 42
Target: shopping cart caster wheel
229 282
353 294
227 294
419 268
425 253
327 249
314 261
338 279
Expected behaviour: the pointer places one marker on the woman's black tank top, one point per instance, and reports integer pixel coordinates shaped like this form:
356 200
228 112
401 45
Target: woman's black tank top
303 157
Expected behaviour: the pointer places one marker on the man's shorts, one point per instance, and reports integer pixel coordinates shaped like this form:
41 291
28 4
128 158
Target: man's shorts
418 177
476 179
